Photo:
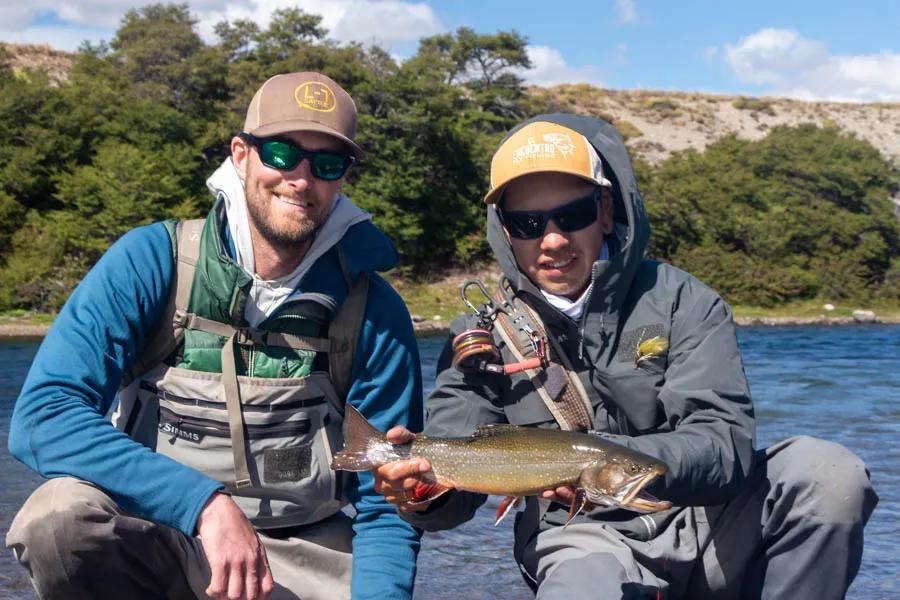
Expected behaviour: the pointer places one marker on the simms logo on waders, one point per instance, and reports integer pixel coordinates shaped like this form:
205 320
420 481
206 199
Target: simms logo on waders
316 96
180 432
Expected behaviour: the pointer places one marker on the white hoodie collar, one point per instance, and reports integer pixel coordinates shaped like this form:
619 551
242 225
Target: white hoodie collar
574 308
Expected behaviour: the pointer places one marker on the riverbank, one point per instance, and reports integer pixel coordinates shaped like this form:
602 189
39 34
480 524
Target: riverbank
22 328
435 302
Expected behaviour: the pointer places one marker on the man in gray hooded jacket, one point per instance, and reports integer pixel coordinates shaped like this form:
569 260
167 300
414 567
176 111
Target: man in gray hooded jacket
567 225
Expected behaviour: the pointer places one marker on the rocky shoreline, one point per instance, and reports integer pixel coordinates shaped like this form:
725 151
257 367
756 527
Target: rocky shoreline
22 330
820 320
426 327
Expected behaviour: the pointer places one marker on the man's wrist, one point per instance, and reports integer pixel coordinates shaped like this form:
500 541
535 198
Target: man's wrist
204 509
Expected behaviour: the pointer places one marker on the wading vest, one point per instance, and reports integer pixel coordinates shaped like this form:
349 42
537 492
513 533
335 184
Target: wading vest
260 410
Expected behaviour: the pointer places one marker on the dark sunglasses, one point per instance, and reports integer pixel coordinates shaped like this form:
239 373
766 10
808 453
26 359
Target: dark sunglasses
284 156
572 216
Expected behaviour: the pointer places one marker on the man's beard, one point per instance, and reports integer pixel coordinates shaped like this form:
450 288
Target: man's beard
290 235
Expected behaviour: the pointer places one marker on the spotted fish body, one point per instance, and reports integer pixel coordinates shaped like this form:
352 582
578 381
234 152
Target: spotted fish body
507 460
511 461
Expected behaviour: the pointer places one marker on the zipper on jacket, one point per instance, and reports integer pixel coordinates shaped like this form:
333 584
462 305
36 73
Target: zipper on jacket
215 428
587 304
247 408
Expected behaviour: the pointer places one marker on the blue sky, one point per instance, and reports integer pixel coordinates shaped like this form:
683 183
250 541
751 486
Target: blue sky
847 51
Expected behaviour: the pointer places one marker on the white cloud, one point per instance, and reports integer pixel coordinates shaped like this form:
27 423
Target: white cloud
385 22
14 17
770 56
794 66
627 11
550 68
382 21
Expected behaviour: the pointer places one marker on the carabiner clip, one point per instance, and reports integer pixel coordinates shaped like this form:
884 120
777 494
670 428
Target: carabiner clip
465 299
486 311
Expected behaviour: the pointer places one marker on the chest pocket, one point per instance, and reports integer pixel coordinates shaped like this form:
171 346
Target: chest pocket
292 427
634 378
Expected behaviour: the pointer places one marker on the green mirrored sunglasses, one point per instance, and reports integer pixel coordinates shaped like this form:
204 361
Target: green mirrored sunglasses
285 155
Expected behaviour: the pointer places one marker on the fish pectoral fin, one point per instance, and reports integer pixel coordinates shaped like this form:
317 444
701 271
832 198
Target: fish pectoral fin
427 492
508 503
577 505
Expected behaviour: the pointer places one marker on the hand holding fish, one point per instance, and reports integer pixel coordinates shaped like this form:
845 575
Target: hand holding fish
398 481
564 494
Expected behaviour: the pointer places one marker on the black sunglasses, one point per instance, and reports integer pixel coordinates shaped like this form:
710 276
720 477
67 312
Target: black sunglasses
572 216
284 155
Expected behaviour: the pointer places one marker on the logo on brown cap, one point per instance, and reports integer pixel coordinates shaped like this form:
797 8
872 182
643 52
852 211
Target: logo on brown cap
315 95
305 101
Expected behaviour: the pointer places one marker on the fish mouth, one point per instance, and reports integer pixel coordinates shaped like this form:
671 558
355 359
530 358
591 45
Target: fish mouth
633 496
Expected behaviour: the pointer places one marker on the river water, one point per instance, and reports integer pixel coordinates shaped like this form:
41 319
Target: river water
838 383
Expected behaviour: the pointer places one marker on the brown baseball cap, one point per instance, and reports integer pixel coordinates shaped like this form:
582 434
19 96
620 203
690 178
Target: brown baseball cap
303 102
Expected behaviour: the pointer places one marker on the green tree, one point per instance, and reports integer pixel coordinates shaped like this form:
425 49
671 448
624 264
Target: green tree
804 212
165 59
237 39
289 30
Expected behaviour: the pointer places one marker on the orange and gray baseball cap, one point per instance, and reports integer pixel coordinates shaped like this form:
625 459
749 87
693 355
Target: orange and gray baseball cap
544 147
303 102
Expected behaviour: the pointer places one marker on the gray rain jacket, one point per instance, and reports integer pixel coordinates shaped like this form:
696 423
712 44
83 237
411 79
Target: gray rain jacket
691 408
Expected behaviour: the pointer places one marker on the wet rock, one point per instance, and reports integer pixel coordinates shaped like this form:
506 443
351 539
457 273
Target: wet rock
864 316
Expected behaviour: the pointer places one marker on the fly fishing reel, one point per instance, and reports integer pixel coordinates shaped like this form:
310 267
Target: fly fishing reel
474 350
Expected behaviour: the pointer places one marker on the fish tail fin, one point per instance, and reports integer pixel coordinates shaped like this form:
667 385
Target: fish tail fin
359 435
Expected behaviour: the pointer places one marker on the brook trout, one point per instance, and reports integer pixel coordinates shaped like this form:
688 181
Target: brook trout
511 461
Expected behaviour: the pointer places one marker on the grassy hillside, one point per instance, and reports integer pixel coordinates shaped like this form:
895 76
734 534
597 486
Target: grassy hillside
658 123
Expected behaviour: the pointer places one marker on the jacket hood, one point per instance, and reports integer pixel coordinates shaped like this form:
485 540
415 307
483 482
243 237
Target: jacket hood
364 247
628 240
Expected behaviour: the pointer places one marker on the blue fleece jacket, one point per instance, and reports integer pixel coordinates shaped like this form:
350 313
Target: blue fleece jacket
60 426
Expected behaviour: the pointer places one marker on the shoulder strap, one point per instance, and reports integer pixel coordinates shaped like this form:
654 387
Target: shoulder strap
169 334
558 384
343 333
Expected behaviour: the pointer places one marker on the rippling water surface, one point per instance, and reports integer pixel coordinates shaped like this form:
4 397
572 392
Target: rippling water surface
839 383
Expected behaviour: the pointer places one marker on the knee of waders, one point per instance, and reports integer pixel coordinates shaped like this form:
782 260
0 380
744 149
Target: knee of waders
829 482
599 575
57 521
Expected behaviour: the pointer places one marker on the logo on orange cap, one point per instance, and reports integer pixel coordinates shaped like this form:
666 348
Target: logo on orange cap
543 147
552 142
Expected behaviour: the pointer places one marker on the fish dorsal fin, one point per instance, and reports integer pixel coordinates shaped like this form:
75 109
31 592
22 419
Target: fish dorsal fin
497 429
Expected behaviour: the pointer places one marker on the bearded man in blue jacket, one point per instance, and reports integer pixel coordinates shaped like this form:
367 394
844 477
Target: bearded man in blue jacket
233 344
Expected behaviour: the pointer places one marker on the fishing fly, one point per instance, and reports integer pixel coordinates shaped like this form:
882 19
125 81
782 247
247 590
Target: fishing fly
650 348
